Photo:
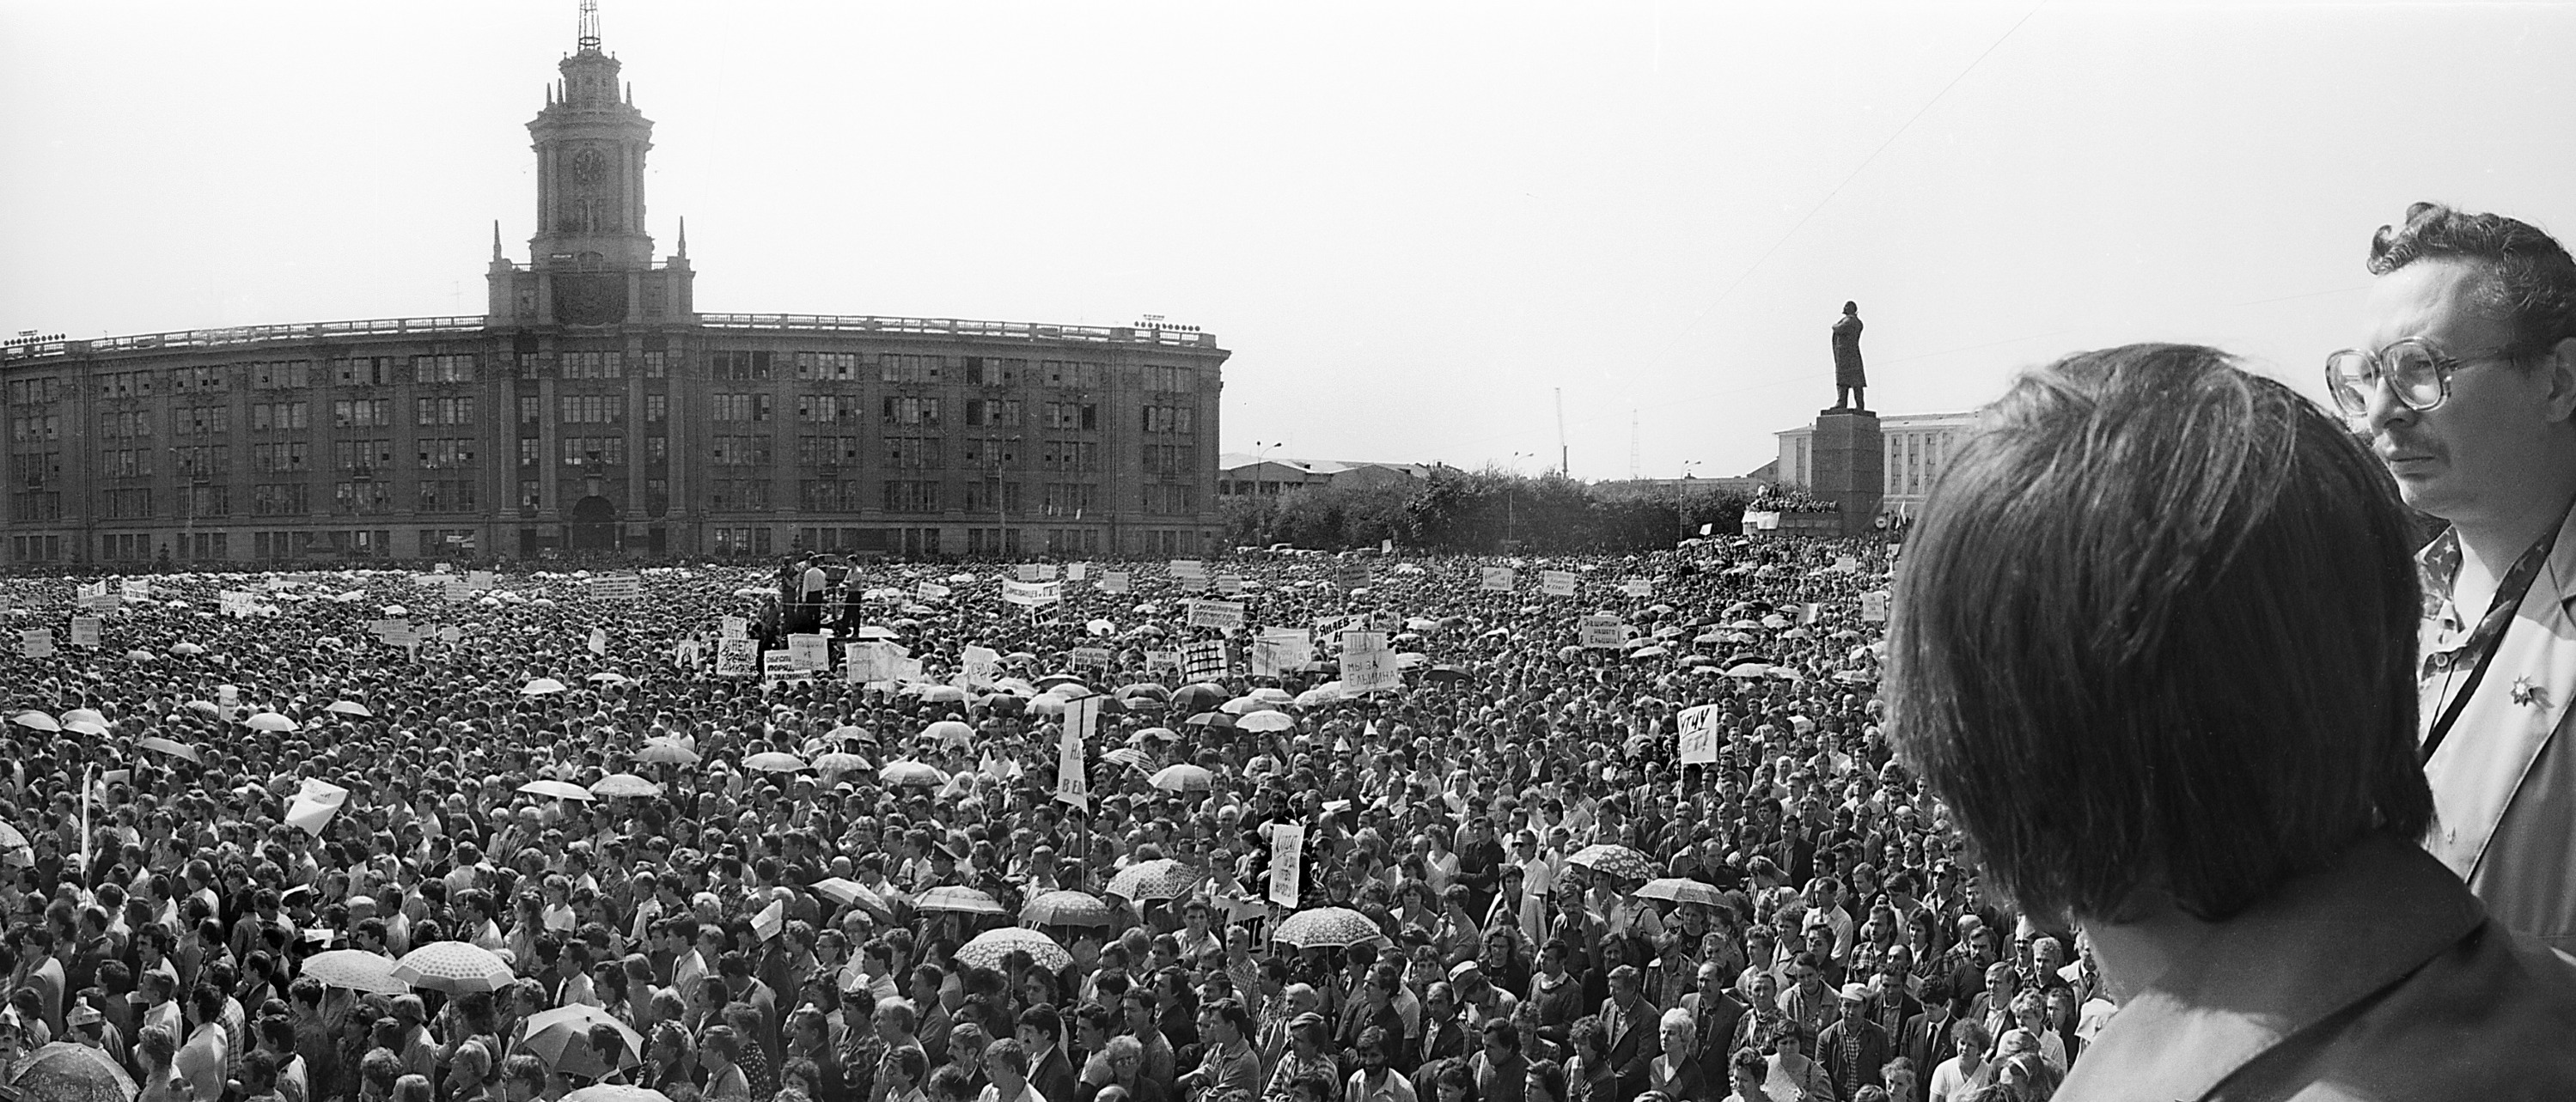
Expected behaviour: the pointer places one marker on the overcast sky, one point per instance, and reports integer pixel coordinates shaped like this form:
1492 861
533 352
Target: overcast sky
1412 223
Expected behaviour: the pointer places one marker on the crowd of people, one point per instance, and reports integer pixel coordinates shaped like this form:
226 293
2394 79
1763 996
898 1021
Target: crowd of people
256 849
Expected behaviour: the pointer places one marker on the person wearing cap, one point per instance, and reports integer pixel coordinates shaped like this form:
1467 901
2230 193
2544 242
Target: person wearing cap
1853 1048
2264 901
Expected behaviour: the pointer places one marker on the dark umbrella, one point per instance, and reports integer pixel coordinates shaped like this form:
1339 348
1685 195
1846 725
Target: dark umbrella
1210 719
1446 673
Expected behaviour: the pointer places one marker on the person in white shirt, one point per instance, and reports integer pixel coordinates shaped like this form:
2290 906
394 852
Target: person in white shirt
1968 1070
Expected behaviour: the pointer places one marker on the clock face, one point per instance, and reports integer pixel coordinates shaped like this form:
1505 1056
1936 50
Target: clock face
588 166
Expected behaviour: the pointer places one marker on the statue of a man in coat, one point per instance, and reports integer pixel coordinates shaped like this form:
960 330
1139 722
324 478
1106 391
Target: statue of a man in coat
1849 380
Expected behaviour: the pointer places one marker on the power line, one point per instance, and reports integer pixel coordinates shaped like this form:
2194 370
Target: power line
1765 258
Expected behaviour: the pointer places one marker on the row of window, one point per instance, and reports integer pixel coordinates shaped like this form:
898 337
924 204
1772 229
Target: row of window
890 367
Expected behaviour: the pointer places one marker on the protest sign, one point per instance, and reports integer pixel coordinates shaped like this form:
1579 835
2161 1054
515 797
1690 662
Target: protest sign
1873 607
1195 583
598 641
1071 785
236 602
403 638
1556 583
1281 651
1499 579
1227 615
1287 849
737 657
1229 584
931 591
778 664
1637 587
977 666
36 643
1113 581
1697 743
1159 662
616 587
1203 659
812 653
1351 574
1602 632
1188 568
735 627
1032 594
314 805
1029 572
1074 572
85 631
869 663
137 589
1368 664
481 579
456 590
1093 657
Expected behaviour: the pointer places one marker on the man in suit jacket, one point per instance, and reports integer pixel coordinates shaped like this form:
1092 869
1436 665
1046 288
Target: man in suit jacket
1443 1034
1926 1038
1041 1032
2499 463
1630 1022
1714 1013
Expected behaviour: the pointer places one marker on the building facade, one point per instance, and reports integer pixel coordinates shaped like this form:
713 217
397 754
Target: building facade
591 408
1250 476
1918 447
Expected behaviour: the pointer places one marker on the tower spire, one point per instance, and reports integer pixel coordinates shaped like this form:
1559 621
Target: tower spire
684 237
496 239
586 37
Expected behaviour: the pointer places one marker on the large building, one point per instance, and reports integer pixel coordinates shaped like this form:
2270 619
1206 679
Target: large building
1251 476
592 408
1918 446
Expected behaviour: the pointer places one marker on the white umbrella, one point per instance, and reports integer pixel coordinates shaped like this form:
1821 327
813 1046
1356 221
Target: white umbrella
541 687
271 721
348 708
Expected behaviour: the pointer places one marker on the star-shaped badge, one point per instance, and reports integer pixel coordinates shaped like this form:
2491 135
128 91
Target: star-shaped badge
2527 691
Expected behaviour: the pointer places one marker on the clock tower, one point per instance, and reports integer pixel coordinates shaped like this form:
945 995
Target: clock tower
591 261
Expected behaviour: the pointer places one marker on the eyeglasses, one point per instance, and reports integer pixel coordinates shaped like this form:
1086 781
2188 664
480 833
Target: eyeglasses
2419 374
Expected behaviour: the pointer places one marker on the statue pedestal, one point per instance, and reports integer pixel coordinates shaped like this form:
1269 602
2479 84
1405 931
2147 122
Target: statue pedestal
1850 467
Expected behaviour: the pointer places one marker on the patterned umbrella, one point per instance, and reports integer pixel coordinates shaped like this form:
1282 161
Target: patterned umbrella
989 947
67 1072
961 900
1066 908
454 967
561 790
1326 927
912 772
1614 860
616 1092
1267 721
667 753
1130 757
1674 889
774 761
624 786
357 970
850 892
561 1038
1164 878
14 850
1184 777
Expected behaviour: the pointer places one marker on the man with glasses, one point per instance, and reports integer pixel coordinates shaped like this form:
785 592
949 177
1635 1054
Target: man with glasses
2465 384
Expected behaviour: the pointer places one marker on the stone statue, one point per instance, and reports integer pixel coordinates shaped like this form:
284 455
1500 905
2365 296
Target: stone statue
1849 380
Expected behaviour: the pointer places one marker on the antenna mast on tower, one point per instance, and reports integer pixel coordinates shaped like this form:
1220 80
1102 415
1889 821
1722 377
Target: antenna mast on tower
1633 468
587 35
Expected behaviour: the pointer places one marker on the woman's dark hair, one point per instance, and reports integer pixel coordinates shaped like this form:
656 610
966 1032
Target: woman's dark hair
1551 1075
2528 279
2156 627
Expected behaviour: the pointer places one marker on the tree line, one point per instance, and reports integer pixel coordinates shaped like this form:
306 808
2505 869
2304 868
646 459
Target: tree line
1492 511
